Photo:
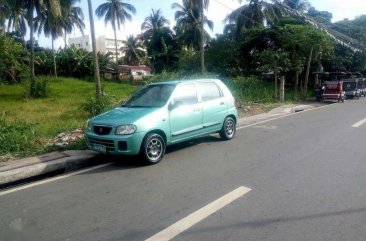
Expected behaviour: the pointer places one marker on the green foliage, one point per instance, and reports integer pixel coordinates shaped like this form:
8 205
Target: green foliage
13 61
74 62
41 88
96 105
250 89
189 62
16 136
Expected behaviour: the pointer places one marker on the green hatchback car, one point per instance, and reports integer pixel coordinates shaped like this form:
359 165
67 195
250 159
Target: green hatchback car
162 114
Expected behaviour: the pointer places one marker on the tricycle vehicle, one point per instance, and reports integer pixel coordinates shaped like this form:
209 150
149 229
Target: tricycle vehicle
361 85
333 90
350 86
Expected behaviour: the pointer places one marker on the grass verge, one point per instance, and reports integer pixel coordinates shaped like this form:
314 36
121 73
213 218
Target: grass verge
31 123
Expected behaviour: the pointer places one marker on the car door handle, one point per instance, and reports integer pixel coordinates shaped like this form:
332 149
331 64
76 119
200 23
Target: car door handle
196 110
222 103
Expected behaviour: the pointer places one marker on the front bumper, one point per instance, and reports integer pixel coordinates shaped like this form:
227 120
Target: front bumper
115 144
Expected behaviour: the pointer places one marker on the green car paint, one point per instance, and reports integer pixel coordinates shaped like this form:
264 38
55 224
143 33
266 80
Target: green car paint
176 111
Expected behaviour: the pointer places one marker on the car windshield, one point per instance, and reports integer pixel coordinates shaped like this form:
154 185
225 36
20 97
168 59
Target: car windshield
349 86
151 96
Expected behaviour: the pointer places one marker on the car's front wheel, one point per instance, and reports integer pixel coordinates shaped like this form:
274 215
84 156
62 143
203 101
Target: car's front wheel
228 128
152 148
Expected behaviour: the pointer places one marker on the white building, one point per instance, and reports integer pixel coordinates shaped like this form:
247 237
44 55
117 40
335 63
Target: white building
81 42
103 44
106 45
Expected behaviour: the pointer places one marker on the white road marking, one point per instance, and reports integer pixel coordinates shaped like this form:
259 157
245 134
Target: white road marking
192 219
360 123
51 179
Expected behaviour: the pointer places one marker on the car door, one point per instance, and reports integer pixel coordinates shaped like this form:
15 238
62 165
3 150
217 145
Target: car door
185 113
214 106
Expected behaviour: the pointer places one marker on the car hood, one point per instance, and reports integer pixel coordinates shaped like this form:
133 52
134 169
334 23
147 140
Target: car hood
122 115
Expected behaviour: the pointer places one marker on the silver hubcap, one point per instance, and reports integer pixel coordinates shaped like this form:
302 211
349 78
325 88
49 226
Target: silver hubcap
230 127
154 149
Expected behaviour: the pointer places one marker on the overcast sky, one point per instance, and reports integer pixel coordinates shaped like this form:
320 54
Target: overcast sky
217 11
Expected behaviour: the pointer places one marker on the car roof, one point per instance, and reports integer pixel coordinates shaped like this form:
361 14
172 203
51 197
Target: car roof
186 81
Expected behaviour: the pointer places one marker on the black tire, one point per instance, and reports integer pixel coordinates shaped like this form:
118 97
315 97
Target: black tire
152 148
228 128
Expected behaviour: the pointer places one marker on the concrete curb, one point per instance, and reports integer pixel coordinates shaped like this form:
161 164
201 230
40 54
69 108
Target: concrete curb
26 168
73 160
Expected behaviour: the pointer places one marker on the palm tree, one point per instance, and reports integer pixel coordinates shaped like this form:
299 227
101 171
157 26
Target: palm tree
37 6
298 5
154 23
159 39
203 4
4 13
50 24
98 88
17 17
73 17
116 12
257 13
188 25
134 51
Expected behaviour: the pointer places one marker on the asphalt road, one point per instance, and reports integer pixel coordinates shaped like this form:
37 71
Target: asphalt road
306 172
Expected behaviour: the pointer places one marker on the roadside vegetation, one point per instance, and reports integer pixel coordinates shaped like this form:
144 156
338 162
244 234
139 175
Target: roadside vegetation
47 91
28 124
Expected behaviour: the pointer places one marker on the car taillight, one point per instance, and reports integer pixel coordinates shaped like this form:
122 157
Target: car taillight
236 104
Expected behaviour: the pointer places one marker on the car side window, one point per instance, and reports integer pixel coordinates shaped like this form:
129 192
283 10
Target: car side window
186 94
209 91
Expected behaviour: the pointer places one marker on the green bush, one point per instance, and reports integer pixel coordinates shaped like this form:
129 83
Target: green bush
41 88
13 62
15 136
250 89
97 105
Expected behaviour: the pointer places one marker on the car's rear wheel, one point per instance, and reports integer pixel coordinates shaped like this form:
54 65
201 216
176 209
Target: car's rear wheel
152 148
228 128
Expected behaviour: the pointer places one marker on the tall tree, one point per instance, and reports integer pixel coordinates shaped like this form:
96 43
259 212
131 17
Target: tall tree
51 25
257 13
203 4
17 15
98 88
159 40
4 13
188 26
37 6
116 12
298 5
73 17
134 51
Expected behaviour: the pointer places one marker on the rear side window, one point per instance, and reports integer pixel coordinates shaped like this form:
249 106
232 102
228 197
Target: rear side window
209 91
186 94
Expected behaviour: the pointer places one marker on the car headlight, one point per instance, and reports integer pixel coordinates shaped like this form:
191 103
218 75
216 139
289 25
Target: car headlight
88 126
125 129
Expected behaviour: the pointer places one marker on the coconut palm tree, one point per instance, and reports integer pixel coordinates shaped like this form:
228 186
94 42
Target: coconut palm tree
50 25
116 12
98 86
17 17
298 5
4 13
188 26
134 51
37 6
154 23
73 17
203 4
159 40
257 13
